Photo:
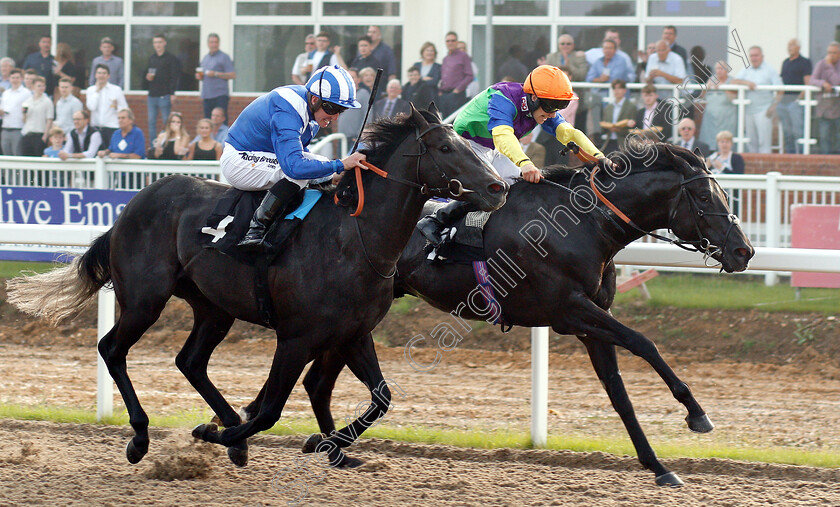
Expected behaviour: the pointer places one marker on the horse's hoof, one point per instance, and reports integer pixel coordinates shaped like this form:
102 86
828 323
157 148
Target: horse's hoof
701 424
244 416
200 432
311 443
348 462
669 479
135 452
238 454
216 420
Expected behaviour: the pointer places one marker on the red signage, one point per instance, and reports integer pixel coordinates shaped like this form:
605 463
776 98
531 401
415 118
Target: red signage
815 227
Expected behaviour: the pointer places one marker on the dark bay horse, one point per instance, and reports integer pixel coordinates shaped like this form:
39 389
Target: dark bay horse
555 269
330 285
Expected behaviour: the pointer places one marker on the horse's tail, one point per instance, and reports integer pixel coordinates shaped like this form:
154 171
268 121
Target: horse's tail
66 291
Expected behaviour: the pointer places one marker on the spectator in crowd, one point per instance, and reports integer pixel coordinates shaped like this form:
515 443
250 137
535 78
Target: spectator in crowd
350 121
566 56
365 57
108 58
162 74
64 66
65 105
104 99
173 142
367 76
669 35
205 148
827 76
759 116
666 67
418 92
220 129
56 136
642 58
29 76
687 130
429 68
391 105
216 70
651 119
302 66
84 141
42 61
6 66
513 69
455 74
38 115
592 55
724 160
533 150
11 109
536 57
796 70
606 68
473 88
324 55
697 70
720 113
382 52
618 117
128 141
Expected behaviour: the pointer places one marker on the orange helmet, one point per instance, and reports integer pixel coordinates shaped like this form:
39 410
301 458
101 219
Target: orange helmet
549 82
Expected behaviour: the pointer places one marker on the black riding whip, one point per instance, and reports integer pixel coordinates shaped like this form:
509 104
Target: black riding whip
370 106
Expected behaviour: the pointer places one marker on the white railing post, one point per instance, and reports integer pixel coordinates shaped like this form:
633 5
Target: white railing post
741 102
104 384
100 174
539 386
807 104
773 219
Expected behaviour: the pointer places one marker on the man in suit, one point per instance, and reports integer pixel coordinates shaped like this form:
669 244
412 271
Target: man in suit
391 105
618 117
669 35
688 137
417 91
653 119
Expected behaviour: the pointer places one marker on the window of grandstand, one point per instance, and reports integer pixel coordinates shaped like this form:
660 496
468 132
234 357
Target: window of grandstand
513 8
85 41
165 9
17 41
598 8
274 8
698 8
24 8
90 8
361 8
267 65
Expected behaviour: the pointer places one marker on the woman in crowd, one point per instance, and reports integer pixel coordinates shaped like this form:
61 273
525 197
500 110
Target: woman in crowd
206 148
64 65
429 68
720 113
171 144
725 161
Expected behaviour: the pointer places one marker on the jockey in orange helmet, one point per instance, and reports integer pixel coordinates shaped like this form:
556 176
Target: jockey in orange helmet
494 121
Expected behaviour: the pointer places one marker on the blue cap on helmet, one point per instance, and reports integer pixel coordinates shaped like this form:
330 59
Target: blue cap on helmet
334 84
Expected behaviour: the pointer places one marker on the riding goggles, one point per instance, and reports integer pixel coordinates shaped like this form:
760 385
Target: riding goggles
552 105
331 108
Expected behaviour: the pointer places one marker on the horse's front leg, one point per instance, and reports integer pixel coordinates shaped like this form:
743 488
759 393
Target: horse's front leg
290 358
360 356
605 363
596 323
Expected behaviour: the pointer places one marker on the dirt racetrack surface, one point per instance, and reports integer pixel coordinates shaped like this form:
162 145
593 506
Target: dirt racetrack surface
786 396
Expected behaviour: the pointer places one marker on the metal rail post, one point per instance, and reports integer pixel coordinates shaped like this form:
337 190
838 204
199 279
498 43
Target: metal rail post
104 384
539 386
773 219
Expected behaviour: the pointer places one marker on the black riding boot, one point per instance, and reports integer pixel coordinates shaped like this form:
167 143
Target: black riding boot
274 202
431 226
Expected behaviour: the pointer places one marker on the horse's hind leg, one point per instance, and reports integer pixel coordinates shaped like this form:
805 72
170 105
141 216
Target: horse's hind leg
598 324
361 358
113 347
605 363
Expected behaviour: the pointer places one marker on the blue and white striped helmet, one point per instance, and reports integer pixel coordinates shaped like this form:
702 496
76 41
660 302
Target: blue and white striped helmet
334 84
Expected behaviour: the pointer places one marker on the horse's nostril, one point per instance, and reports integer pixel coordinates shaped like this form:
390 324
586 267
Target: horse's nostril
495 188
743 252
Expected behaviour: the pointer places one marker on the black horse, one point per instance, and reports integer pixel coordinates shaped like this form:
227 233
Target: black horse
330 286
550 259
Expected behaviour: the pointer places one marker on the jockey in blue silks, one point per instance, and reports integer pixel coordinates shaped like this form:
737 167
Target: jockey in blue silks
267 144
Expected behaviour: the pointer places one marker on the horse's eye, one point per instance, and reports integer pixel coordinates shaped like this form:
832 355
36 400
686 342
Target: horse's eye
445 148
705 198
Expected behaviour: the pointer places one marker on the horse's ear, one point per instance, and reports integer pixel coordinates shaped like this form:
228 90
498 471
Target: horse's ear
418 118
434 110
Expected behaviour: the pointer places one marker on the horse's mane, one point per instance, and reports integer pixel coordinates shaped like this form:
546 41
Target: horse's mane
637 154
381 138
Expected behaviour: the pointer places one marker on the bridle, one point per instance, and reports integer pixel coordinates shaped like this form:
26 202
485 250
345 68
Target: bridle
702 245
453 187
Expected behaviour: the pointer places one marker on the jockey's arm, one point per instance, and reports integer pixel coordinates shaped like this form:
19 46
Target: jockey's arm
508 145
566 133
289 150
